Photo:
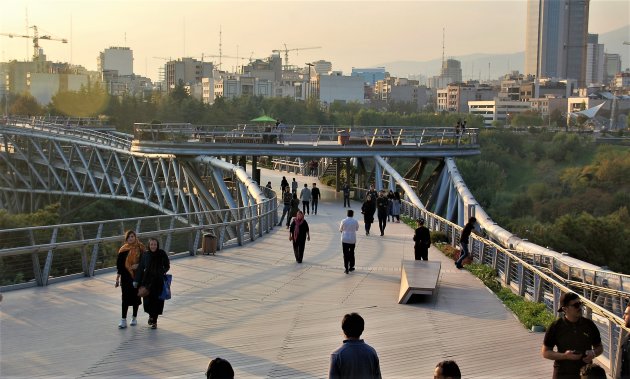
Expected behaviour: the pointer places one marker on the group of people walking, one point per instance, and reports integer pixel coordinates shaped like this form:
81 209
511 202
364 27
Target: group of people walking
385 205
141 267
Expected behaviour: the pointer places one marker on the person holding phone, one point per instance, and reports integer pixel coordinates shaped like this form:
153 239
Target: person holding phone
576 338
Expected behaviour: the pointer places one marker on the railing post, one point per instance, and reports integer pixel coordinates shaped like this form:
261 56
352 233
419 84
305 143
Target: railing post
95 248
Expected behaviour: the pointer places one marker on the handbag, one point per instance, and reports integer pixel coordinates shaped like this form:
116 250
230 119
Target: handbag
143 291
166 288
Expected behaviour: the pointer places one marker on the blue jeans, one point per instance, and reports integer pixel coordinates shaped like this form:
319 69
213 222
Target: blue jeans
463 255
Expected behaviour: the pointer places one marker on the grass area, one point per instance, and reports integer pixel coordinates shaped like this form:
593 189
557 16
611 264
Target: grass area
528 312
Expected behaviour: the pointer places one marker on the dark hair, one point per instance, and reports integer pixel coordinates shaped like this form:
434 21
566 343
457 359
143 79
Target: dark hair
593 371
352 325
350 213
472 220
450 369
219 368
128 233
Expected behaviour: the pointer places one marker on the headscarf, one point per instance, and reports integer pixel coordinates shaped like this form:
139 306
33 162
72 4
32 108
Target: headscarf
299 219
135 251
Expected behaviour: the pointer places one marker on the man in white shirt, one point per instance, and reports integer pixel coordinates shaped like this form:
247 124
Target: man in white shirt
348 229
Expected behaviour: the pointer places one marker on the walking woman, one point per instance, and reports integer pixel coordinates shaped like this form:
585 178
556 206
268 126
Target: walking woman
299 234
295 207
368 208
396 205
126 264
153 266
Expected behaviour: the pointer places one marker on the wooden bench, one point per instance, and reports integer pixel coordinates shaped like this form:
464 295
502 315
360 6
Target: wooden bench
418 278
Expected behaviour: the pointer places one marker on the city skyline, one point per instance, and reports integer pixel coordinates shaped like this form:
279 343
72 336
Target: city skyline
350 33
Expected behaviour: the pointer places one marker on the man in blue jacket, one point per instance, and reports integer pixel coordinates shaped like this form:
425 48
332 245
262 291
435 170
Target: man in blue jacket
355 358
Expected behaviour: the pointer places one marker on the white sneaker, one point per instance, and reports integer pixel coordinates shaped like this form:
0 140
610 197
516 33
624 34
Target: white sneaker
133 322
123 323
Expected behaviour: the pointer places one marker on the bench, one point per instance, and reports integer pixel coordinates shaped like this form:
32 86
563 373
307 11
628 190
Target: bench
417 278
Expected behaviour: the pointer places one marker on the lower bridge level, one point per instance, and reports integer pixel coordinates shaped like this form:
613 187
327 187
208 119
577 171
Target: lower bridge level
272 317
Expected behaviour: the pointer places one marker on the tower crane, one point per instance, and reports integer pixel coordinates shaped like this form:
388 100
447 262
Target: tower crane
286 51
36 37
221 56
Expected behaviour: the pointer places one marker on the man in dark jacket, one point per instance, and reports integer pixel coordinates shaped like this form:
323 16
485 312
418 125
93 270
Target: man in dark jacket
315 196
354 359
381 211
464 240
422 237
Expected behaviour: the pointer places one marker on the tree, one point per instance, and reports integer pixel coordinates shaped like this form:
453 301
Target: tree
26 105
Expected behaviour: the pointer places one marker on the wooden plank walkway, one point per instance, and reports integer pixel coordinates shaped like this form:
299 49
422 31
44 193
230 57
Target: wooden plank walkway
271 317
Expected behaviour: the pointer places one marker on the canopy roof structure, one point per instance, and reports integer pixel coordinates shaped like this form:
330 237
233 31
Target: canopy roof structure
590 112
263 118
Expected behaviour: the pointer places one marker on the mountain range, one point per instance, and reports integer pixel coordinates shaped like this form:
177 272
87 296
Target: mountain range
484 66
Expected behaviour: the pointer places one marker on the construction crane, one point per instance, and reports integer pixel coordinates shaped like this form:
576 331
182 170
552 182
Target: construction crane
220 56
286 51
36 37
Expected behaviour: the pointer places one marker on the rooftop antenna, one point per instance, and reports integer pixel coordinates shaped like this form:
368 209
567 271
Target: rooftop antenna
488 71
71 38
184 35
27 28
220 46
125 39
443 48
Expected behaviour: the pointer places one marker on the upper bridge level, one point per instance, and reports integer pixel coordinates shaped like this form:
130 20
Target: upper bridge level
304 140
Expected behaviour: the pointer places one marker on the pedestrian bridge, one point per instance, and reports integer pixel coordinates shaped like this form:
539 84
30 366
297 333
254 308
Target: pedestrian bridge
256 289
271 317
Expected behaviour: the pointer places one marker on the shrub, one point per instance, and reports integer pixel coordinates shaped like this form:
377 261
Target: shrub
438 236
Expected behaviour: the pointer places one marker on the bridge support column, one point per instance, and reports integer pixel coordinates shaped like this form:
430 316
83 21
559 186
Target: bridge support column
255 171
337 174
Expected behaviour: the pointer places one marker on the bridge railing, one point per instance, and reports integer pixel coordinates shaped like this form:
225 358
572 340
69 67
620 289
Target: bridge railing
538 284
83 122
65 251
85 134
306 134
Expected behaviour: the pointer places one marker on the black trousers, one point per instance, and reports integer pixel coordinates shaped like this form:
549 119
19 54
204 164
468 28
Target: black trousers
346 200
421 253
298 250
305 207
382 222
348 255
314 205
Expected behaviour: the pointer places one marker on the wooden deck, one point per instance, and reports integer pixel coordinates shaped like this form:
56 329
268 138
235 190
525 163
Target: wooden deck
271 317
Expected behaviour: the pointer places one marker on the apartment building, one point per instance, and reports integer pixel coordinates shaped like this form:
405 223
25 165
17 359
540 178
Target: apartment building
455 97
497 110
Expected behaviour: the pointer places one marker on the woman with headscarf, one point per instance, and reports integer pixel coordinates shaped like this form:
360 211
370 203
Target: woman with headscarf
126 264
295 207
368 208
153 266
299 234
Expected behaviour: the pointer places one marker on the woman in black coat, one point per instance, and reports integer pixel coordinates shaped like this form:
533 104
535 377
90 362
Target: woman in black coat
299 234
368 208
153 266
126 264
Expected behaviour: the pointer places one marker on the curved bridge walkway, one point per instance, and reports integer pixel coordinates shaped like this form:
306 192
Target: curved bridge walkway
271 317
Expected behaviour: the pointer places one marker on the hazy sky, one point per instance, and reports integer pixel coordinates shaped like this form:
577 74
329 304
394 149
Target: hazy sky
350 33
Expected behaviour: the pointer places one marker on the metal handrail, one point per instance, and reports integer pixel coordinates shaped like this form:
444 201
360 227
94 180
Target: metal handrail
531 282
311 134
250 221
85 135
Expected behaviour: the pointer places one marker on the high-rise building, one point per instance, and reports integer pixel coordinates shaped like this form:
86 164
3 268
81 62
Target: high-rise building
116 59
452 68
612 65
370 75
186 71
556 38
594 61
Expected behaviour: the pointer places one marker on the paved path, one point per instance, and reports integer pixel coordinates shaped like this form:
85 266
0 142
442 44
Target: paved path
271 317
